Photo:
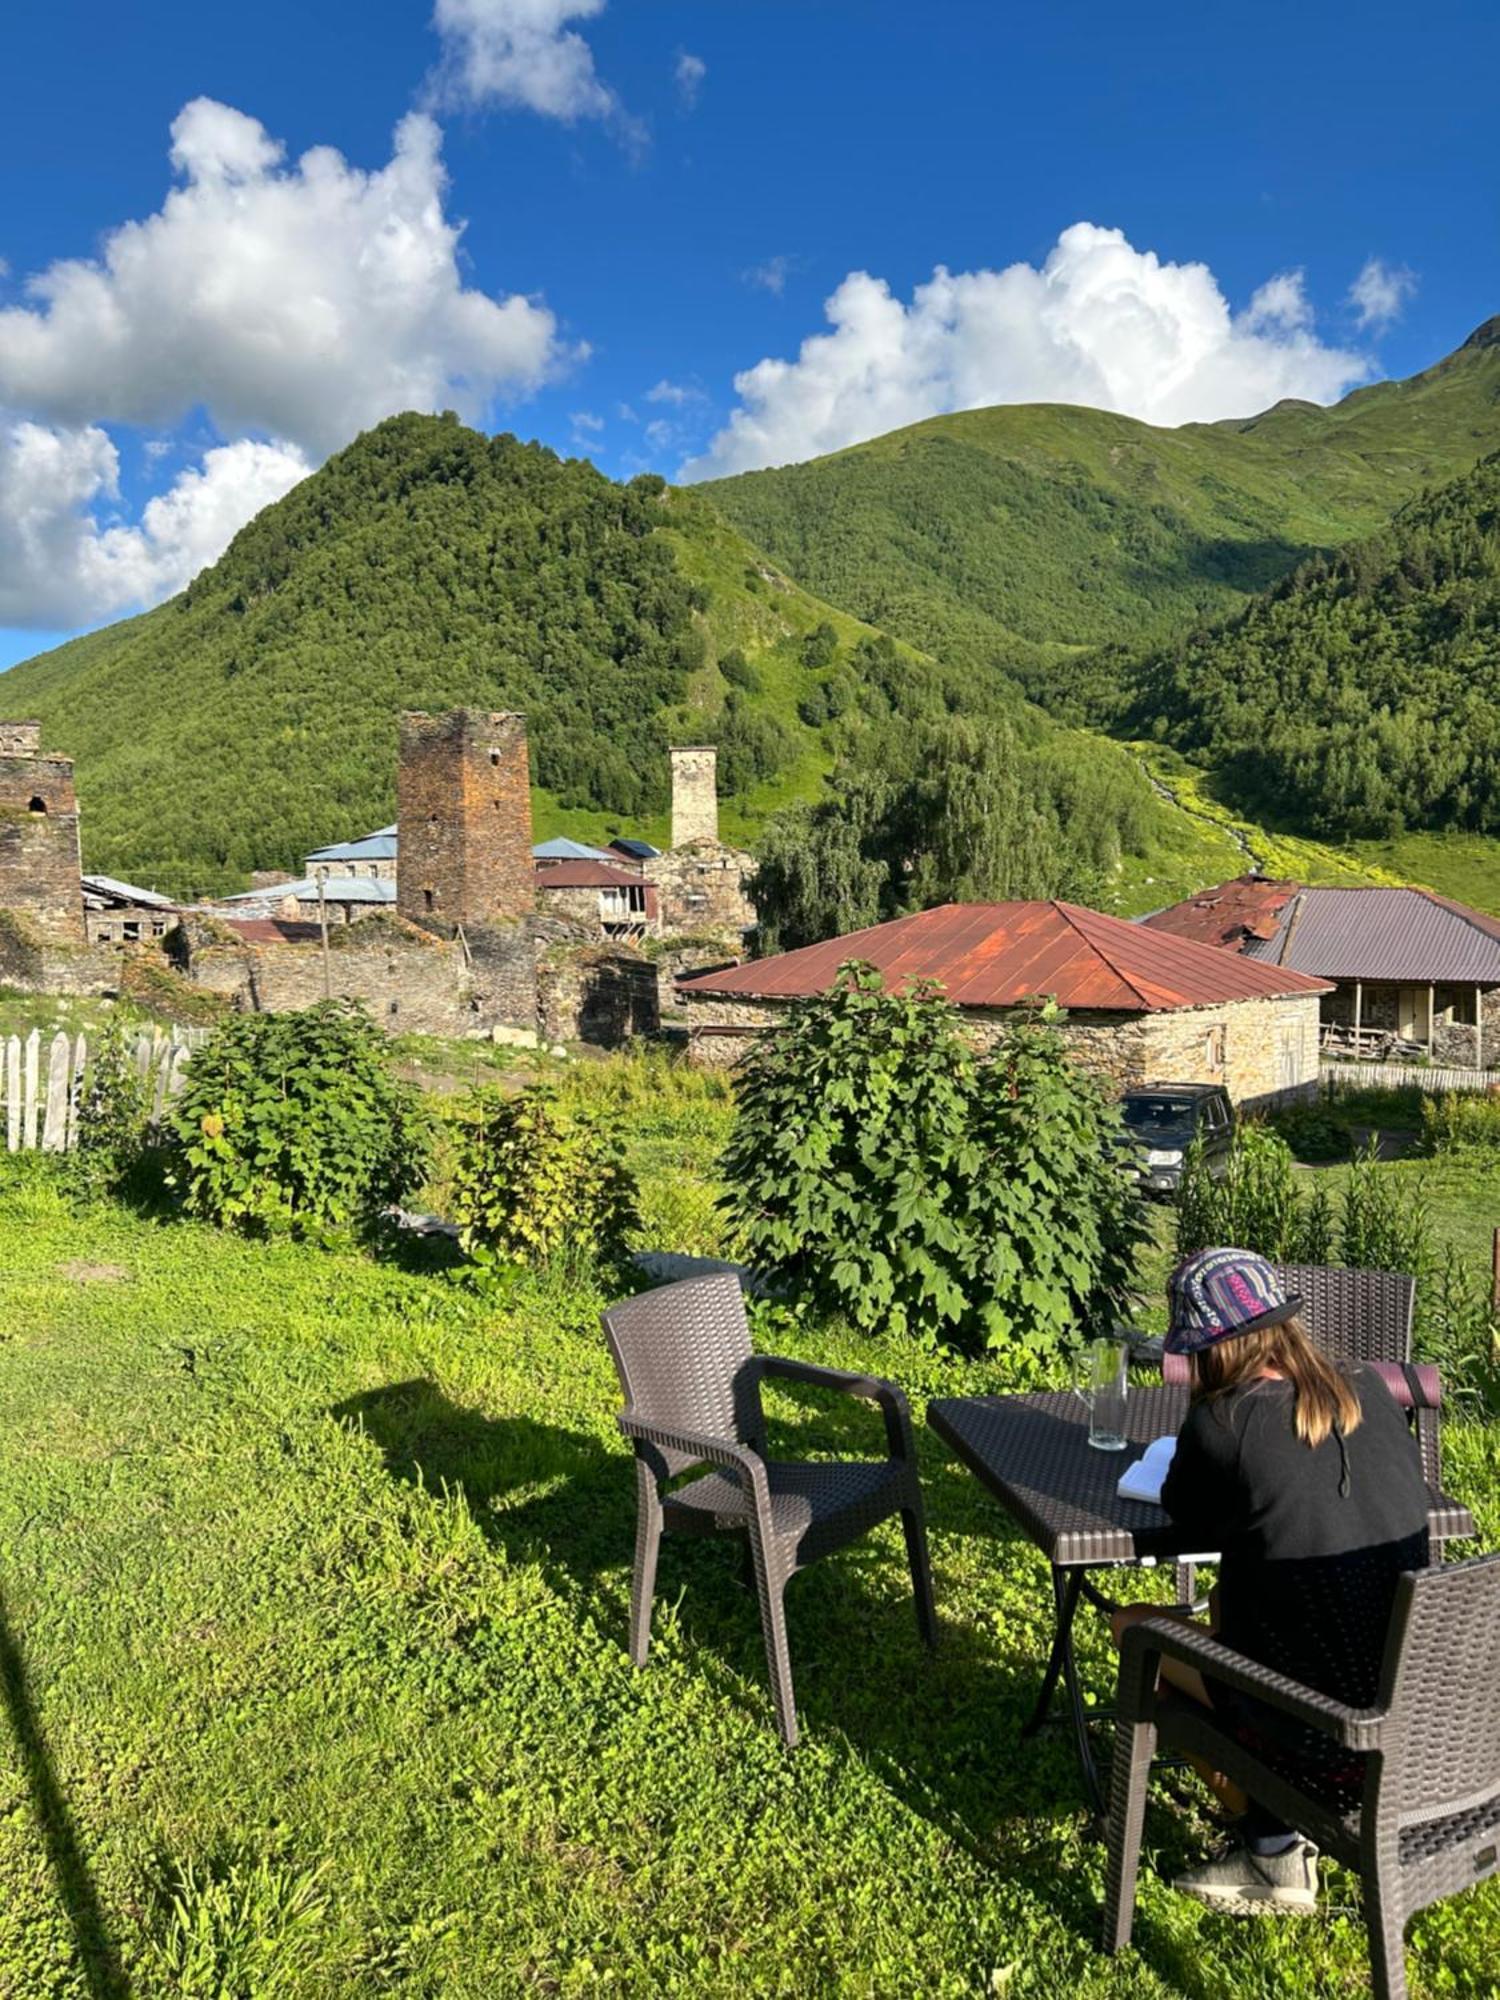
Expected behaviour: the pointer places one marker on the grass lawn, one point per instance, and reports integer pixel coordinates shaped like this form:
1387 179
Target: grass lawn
314 1578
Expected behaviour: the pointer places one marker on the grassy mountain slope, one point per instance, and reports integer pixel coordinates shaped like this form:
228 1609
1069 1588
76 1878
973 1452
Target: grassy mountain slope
254 716
1009 537
1358 698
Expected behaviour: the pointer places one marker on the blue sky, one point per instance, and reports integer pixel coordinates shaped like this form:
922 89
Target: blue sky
1160 209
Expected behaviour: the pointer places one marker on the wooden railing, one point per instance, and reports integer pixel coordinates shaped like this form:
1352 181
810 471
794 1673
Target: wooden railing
1431 1077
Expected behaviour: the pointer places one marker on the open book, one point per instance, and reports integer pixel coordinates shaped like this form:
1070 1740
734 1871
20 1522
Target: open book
1143 1480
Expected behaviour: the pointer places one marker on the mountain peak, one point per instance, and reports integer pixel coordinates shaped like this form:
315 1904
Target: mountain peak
1487 335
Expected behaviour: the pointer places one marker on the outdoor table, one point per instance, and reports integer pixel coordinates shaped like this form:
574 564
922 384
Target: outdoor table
1032 1452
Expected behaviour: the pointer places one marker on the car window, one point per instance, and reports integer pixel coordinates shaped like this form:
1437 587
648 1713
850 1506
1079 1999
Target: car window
1159 1114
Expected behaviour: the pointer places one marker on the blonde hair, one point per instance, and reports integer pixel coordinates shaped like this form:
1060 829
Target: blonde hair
1324 1401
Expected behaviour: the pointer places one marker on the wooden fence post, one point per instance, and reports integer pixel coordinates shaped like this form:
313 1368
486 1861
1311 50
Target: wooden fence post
30 1089
13 1093
55 1113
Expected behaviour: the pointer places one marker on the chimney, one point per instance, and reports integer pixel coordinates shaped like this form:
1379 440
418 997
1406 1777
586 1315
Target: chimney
463 819
695 795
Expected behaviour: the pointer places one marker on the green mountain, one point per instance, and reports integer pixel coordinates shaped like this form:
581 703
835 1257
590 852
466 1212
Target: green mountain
1008 538
254 716
1360 697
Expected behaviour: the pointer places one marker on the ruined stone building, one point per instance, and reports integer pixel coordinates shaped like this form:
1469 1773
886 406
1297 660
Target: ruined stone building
701 882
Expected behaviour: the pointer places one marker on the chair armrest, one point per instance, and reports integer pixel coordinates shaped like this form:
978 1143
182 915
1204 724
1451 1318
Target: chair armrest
692 1444
1152 1639
872 1388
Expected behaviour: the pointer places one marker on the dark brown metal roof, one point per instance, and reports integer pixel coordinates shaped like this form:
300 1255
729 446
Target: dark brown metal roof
999 954
1402 935
1231 914
586 875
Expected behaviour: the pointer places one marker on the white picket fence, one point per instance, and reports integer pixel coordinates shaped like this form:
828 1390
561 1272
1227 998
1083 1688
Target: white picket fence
41 1084
1395 1076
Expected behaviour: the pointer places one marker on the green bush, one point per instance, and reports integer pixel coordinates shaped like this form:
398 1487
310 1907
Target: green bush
1313 1131
538 1180
877 1170
1461 1123
295 1121
113 1108
1258 1205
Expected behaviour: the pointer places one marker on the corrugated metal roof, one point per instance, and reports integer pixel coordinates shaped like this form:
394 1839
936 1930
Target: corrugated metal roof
377 846
1248 907
126 892
587 875
1405 935
272 930
999 954
563 849
637 850
336 889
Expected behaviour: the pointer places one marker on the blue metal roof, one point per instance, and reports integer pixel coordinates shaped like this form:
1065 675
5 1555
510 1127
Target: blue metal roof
563 849
638 850
377 846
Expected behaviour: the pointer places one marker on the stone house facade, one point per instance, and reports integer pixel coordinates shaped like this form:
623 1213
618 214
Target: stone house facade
41 862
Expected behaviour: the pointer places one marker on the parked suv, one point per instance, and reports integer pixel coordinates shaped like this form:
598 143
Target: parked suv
1163 1119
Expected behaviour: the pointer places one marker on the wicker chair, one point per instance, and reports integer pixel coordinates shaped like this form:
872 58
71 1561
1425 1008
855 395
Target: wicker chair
1428 1822
692 1396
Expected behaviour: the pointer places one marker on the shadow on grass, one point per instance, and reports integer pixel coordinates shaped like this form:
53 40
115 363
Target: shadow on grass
942 1730
98 1958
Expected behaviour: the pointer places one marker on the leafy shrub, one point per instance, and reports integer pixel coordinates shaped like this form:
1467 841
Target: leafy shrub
1461 1123
877 1170
1459 1329
295 1121
113 1108
821 646
1387 1225
1257 1204
1313 1132
738 671
538 1180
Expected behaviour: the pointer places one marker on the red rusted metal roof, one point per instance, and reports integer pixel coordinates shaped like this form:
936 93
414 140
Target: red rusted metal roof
586 875
999 954
273 930
1232 914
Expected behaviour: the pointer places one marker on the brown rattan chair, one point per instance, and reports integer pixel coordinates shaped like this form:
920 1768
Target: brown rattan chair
1428 1821
692 1396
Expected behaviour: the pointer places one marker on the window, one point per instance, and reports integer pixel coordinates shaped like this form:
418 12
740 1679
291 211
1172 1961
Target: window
494 756
104 934
1213 1047
158 928
393 1007
131 932
37 806
427 899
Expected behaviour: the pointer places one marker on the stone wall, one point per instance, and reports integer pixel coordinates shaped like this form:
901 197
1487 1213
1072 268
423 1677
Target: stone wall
695 795
32 962
1263 1051
701 890
463 810
604 996
40 859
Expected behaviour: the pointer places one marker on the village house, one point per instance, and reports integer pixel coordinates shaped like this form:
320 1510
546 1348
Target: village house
1142 1007
1412 973
121 913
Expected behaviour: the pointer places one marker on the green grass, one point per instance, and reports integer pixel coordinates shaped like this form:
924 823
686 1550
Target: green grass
315 1576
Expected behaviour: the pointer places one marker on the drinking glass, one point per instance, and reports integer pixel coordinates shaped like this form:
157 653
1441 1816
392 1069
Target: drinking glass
1102 1386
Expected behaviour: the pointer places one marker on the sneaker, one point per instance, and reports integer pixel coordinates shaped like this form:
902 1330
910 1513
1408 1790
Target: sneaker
1242 1881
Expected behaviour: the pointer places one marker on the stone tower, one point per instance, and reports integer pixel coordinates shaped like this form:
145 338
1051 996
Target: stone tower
463 815
695 795
40 859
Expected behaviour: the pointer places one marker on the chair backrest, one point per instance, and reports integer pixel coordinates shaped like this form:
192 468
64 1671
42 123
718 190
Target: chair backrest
684 1358
1441 1686
1352 1315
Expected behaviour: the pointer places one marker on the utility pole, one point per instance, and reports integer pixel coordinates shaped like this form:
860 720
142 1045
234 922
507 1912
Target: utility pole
323 926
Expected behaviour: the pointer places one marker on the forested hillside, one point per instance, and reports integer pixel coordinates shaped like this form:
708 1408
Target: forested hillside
1360 697
1008 538
254 716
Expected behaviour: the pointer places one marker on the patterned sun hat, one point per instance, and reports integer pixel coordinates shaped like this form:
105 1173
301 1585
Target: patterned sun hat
1216 1294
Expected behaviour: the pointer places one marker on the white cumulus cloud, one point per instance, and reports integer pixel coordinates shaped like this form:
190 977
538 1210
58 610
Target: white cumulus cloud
689 75
1380 292
59 566
522 53
1100 323
305 302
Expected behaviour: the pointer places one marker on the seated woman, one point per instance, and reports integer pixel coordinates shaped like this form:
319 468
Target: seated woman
1308 1481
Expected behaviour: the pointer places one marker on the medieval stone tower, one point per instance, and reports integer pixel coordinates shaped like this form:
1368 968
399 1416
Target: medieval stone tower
40 857
463 813
695 795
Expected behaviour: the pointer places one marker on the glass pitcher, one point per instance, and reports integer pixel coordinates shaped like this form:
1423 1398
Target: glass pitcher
1102 1384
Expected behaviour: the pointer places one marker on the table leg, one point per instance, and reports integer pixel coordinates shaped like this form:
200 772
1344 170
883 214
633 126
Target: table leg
1062 1664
